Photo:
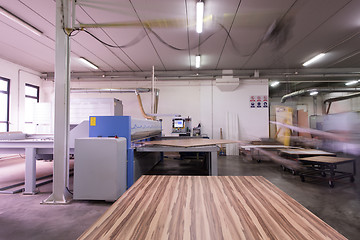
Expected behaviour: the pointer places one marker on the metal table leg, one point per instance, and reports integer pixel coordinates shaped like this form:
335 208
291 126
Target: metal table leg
30 171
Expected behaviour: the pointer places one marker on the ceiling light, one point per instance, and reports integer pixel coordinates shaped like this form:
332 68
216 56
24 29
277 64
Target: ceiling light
88 63
314 59
19 21
197 61
199 16
352 82
314 93
274 84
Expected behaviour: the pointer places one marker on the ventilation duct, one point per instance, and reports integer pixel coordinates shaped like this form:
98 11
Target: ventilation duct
227 82
304 91
336 99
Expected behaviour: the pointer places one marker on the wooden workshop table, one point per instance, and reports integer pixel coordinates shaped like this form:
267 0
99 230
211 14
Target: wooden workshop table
32 148
324 167
29 147
210 150
255 150
296 154
299 153
207 207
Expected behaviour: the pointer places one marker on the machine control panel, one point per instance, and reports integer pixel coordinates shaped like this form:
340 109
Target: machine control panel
181 125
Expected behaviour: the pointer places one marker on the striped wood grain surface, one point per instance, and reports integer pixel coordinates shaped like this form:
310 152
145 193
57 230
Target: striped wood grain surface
190 142
327 159
208 207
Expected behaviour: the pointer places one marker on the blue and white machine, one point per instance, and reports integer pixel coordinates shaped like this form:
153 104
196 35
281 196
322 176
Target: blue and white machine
134 130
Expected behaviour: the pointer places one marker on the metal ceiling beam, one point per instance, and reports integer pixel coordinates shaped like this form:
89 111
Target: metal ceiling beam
340 74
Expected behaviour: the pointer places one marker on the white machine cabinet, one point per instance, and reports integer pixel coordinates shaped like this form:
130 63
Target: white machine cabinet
99 168
82 108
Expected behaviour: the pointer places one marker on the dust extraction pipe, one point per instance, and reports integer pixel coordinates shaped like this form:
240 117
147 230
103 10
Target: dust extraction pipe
303 91
336 99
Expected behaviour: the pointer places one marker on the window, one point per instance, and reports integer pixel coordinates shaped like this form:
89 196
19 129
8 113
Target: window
31 97
4 104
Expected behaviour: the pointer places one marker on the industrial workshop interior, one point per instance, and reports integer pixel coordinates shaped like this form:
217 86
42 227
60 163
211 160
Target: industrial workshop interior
187 119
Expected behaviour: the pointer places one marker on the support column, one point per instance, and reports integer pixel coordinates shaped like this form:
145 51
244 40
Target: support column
214 163
60 194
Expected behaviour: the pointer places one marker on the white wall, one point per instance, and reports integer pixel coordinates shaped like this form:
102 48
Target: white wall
18 76
200 100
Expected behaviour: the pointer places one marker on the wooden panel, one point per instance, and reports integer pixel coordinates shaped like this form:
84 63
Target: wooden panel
248 147
202 207
327 159
303 122
306 152
190 142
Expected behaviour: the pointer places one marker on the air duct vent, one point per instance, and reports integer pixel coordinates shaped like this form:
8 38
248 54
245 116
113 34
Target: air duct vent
227 82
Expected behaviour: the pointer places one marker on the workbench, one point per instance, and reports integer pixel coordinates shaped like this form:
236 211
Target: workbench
207 207
210 150
31 148
324 167
255 154
297 154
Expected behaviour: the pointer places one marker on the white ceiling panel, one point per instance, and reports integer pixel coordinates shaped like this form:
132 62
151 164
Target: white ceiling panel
237 36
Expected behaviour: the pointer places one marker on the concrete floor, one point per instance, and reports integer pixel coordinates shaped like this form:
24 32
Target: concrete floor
23 217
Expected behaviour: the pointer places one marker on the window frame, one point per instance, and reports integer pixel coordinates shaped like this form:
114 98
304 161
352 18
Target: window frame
8 102
33 97
37 91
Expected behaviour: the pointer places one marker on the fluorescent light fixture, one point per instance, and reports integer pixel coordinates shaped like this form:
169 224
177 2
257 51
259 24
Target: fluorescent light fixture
19 21
274 84
314 59
197 61
352 82
314 93
88 63
199 16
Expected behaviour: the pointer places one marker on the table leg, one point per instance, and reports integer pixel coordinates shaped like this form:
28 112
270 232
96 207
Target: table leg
332 175
30 171
354 167
213 164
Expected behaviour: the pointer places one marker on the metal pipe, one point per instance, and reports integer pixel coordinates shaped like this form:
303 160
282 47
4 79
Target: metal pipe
337 74
156 106
110 90
153 90
303 91
336 99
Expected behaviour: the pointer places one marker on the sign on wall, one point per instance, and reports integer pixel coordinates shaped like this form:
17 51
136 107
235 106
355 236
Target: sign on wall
252 101
258 101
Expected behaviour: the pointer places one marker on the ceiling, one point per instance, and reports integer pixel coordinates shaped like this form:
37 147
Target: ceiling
161 33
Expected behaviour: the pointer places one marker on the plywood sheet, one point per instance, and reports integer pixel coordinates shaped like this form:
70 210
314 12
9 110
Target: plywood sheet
248 147
190 142
303 122
203 207
307 152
